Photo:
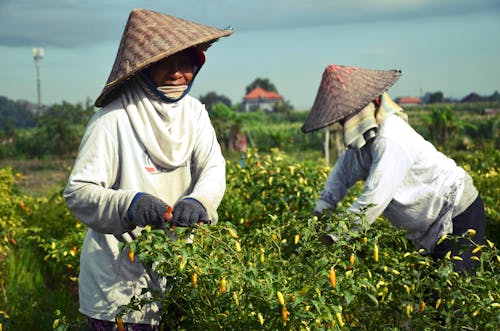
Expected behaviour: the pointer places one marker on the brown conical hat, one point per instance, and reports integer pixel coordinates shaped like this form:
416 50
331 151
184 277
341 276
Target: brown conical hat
150 37
344 91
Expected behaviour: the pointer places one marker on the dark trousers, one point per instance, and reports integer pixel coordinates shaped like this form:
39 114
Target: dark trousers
100 325
472 218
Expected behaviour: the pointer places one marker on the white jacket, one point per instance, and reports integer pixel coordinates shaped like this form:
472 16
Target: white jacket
414 185
111 167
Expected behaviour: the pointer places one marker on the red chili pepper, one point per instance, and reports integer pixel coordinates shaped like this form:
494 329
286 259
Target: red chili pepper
168 214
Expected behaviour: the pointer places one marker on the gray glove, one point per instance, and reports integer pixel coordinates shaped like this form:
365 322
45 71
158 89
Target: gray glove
188 212
147 209
328 239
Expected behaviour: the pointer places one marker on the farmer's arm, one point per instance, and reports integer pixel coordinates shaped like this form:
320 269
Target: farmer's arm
209 166
351 166
391 162
89 193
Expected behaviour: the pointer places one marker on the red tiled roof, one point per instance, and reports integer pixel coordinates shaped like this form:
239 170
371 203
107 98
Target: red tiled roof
260 93
409 100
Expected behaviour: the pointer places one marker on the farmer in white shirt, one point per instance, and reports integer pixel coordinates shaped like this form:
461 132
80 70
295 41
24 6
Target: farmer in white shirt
415 186
150 146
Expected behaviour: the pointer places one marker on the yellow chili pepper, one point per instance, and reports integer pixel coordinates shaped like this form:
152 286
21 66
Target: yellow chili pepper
284 314
237 246
281 299
223 284
131 255
409 310
236 300
296 239
182 265
232 233
119 323
477 249
260 318
352 259
471 232
338 316
421 306
375 253
194 279
333 277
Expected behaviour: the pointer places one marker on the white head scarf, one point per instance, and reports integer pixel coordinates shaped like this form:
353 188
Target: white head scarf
363 126
163 128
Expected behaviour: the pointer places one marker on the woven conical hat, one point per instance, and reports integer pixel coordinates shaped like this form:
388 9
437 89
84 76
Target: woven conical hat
344 91
150 37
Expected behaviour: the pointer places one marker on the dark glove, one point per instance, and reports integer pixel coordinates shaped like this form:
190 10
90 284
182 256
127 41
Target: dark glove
188 212
328 239
146 209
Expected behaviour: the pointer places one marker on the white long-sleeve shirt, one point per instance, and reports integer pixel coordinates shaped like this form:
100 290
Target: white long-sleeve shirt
111 167
414 185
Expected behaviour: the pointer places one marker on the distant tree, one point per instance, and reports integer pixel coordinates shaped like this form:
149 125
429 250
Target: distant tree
443 124
436 97
494 97
284 107
228 126
15 114
59 130
211 99
264 83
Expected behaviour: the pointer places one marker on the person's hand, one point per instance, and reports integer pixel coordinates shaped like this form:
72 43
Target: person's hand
321 207
189 212
146 209
328 239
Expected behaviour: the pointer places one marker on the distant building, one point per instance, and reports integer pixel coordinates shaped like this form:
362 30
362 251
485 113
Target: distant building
408 101
472 97
491 111
259 98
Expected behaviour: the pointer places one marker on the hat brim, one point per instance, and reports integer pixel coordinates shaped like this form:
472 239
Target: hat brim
344 91
150 37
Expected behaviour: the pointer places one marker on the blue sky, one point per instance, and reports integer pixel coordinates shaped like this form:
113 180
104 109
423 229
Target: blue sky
451 46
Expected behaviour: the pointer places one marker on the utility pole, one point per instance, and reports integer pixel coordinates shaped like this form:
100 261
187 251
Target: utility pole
37 56
326 145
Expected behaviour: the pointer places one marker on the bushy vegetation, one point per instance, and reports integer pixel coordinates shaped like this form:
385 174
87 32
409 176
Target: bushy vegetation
262 266
39 244
56 130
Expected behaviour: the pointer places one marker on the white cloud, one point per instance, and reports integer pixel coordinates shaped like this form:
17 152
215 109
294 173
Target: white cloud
70 23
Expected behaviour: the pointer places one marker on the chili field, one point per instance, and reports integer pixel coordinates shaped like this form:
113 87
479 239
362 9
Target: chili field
262 266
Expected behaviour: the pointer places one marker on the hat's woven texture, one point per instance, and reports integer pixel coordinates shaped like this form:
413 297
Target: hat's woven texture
150 37
344 91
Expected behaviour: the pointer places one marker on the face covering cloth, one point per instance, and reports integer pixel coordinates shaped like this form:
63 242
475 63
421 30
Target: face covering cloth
361 127
165 129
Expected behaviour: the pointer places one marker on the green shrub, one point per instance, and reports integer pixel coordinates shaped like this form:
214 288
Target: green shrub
263 268
39 264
